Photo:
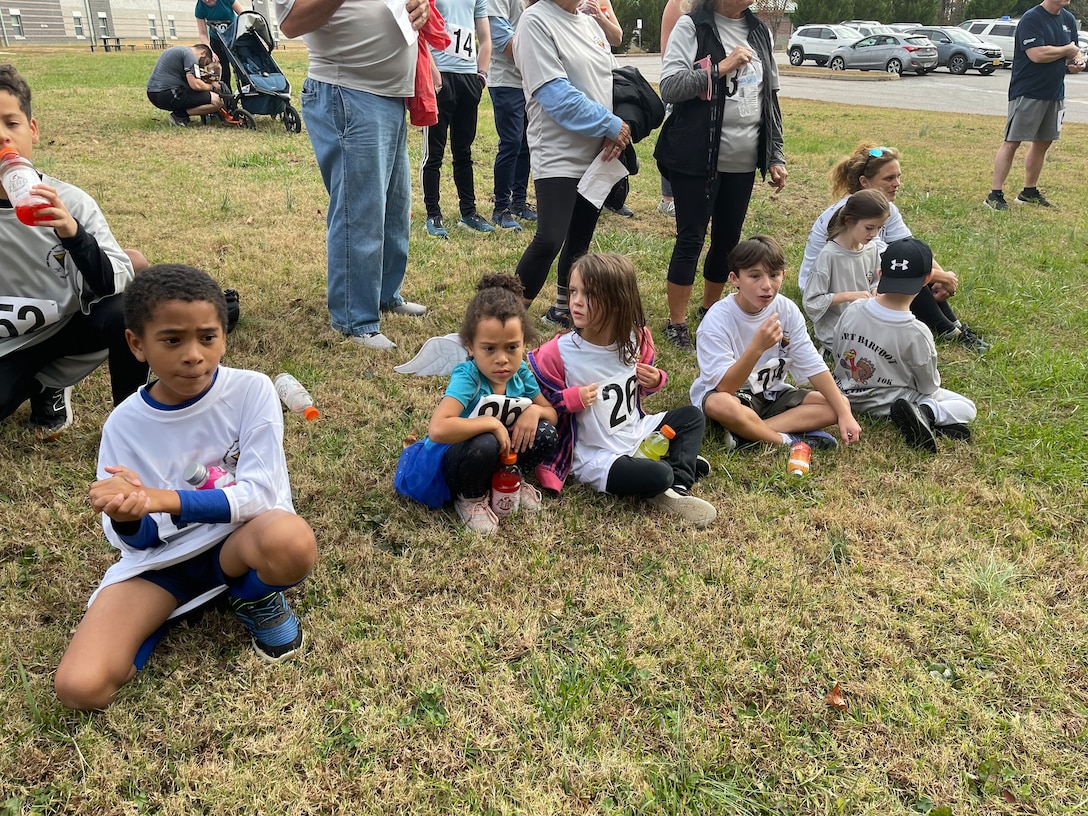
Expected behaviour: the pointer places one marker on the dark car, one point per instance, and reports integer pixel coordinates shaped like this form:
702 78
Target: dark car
959 49
894 53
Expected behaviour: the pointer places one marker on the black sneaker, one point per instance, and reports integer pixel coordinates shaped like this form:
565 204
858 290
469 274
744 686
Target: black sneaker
177 120
1032 197
702 467
50 412
996 200
623 211
234 310
817 440
971 341
557 318
275 629
954 430
700 313
677 334
914 426
526 212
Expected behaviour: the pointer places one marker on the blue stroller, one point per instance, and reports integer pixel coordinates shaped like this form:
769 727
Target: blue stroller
263 90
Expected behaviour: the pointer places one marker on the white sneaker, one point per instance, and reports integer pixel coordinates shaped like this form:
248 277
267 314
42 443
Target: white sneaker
667 208
374 340
477 514
408 308
529 499
691 509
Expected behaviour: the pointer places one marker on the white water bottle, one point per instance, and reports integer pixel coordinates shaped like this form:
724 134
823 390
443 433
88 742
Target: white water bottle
205 477
295 396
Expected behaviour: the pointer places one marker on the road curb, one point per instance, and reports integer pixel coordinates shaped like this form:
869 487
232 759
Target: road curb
827 73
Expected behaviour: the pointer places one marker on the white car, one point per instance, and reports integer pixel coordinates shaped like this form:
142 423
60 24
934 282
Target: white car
816 42
999 32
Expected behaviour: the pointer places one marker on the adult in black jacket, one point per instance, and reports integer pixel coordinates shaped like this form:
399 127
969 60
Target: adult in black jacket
725 125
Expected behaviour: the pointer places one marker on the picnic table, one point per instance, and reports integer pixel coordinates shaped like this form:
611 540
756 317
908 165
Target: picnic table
158 43
108 43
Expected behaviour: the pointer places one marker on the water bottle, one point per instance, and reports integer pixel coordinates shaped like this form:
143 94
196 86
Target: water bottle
207 477
656 445
506 486
800 459
295 396
18 176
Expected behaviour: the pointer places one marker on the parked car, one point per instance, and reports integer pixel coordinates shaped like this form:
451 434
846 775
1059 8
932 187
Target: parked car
999 32
903 27
894 53
866 28
816 42
959 49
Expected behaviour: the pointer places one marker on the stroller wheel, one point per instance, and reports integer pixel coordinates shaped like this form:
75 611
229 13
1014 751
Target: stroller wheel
247 118
292 122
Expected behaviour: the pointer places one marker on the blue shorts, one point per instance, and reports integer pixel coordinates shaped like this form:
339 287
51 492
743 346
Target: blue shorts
192 578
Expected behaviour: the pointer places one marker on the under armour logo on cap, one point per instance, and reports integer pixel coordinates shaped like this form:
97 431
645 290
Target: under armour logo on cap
903 264
904 267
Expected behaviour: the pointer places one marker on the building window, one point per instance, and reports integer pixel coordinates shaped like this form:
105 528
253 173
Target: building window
172 26
152 26
103 24
77 24
17 24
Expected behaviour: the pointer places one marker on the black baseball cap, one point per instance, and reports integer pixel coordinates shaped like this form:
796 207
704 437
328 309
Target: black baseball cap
904 266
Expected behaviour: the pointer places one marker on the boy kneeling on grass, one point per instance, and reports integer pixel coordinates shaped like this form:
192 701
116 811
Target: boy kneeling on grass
748 343
180 546
886 361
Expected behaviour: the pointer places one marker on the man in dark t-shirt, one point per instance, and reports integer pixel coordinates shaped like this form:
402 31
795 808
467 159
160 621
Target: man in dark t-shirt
177 83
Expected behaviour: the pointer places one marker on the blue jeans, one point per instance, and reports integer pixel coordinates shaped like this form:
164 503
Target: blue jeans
360 141
512 158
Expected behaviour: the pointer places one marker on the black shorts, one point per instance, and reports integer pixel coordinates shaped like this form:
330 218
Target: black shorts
787 398
192 578
179 100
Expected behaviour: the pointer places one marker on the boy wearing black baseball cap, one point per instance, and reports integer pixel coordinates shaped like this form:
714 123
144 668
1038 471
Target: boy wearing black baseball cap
885 358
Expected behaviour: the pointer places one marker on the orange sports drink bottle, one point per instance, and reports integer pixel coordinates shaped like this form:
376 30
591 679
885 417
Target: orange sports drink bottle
800 459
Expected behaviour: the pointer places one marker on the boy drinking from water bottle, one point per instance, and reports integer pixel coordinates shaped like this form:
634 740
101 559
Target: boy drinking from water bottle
181 547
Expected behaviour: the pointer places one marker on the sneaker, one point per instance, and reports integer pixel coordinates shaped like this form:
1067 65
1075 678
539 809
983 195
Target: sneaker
700 313
677 334
559 318
529 499
817 440
996 200
374 340
623 211
702 467
914 426
50 412
475 222
970 340
407 308
436 228
1035 197
950 336
477 514
679 502
954 430
505 220
234 309
667 208
178 120
526 212
273 626
729 442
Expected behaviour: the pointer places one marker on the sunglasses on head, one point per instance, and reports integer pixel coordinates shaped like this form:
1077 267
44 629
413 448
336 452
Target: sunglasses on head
875 153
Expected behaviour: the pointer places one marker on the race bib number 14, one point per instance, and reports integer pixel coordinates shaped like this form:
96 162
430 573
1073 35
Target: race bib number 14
462 43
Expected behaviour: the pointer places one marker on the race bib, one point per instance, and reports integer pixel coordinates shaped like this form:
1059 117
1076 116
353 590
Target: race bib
462 43
767 377
20 316
617 403
505 409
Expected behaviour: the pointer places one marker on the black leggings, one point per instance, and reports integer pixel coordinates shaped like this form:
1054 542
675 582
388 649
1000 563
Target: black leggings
220 50
564 227
725 212
468 466
936 314
103 328
635 476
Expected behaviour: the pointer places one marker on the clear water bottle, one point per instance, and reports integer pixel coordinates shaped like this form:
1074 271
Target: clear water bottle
18 176
207 477
656 445
506 486
295 396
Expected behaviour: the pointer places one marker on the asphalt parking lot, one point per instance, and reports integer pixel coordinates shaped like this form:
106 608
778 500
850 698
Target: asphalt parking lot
939 91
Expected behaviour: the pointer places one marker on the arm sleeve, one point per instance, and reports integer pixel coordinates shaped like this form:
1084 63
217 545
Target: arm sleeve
93 264
142 536
203 506
681 81
501 33
574 111
103 267
647 354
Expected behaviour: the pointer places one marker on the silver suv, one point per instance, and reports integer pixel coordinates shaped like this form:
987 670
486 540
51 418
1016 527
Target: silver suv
960 49
816 42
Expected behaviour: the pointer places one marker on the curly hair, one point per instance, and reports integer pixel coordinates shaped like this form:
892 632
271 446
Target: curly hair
846 175
611 289
164 282
12 82
497 296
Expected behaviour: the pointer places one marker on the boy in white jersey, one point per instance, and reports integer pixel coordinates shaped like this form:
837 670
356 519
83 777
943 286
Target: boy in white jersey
886 361
60 288
182 546
747 345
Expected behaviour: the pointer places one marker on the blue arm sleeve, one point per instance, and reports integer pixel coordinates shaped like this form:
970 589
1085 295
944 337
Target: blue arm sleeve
203 506
573 110
501 32
145 537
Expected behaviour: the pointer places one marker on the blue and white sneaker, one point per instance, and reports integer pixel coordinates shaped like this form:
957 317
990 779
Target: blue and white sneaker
436 228
817 440
505 220
476 223
276 632
526 212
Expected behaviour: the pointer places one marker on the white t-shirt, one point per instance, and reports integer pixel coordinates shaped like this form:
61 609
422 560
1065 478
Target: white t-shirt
551 43
611 427
727 330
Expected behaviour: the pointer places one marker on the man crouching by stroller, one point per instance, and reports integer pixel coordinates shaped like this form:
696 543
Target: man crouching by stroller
178 84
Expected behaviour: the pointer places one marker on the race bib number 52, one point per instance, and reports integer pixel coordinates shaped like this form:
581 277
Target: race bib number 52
24 315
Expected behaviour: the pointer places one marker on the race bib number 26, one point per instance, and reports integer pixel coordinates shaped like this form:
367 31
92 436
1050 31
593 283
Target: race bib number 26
617 403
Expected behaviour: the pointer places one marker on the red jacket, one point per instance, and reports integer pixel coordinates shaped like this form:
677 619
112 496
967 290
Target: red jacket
423 106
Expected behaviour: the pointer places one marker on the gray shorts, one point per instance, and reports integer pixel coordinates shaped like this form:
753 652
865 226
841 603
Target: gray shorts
1034 120
789 397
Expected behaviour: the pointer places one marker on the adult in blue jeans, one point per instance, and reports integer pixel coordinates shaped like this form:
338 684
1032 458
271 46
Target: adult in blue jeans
361 70
508 104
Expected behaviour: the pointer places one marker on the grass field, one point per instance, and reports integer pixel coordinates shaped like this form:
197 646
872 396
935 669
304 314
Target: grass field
595 658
